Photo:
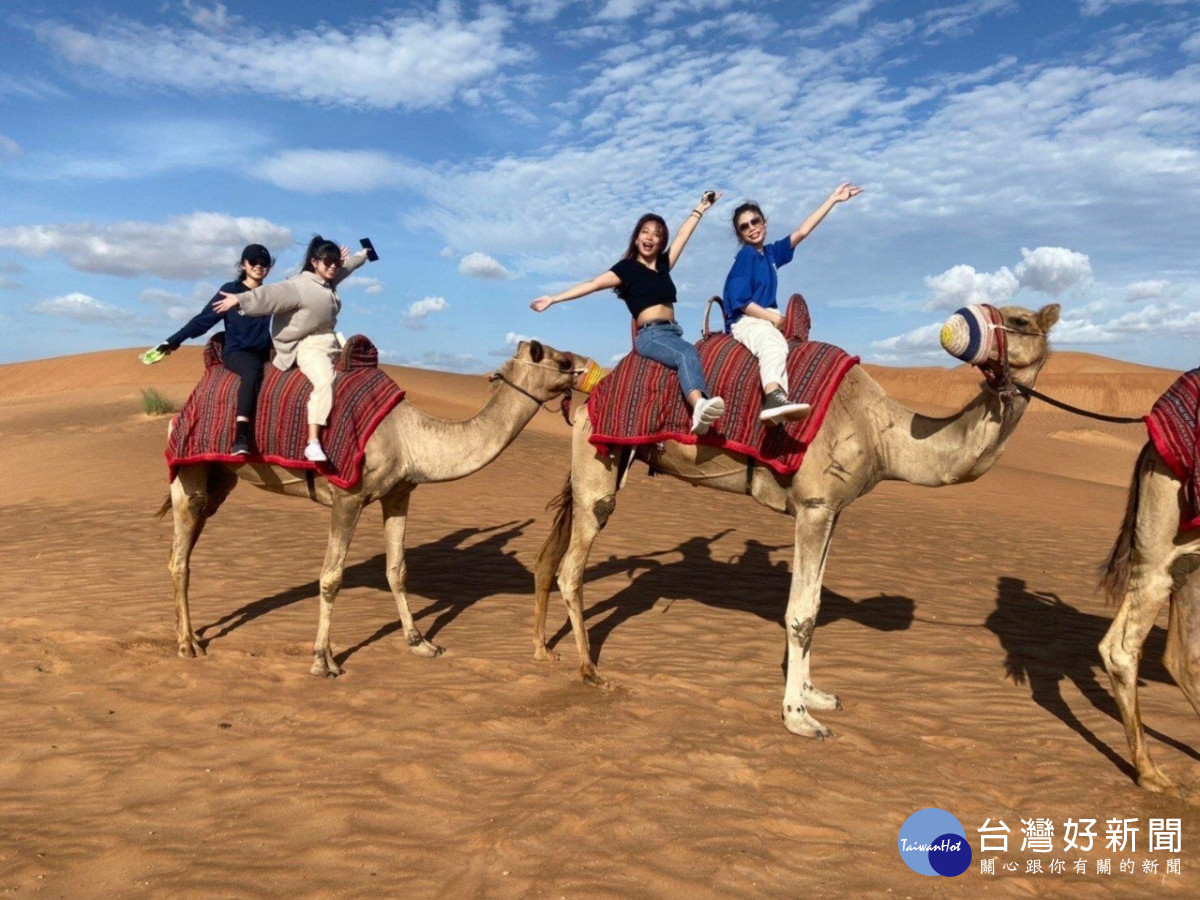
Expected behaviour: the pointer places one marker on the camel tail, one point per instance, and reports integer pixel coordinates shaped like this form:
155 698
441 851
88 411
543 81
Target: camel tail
1116 570
165 508
555 547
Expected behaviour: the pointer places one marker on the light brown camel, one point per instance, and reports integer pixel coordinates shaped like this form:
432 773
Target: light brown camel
1150 562
866 438
407 448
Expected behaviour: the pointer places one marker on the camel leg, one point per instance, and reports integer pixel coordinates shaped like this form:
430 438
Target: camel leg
814 529
196 493
346 510
1182 657
395 518
1121 650
188 502
594 496
545 568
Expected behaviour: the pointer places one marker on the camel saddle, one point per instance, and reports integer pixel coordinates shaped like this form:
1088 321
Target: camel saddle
1173 424
203 430
639 402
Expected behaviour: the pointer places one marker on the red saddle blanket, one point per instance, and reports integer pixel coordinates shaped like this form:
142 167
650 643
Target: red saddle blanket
1172 424
639 401
362 395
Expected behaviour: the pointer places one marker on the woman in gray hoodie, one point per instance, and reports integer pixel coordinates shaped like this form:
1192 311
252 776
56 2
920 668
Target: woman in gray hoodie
304 329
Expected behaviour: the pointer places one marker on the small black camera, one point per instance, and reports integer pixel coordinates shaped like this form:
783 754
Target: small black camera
370 248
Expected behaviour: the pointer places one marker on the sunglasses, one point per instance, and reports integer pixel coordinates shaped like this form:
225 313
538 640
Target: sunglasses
258 263
750 223
333 261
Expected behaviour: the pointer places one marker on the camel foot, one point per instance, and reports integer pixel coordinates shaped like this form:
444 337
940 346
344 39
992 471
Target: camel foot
798 721
324 665
541 654
590 676
426 648
191 647
1158 783
814 699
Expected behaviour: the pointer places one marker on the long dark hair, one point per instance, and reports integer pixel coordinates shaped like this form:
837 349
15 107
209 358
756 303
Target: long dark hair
317 248
748 206
631 251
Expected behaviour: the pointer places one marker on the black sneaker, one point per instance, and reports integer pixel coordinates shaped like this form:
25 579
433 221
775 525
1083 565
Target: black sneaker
777 408
241 447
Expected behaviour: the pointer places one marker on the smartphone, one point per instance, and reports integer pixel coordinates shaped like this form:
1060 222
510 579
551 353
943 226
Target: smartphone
370 248
710 196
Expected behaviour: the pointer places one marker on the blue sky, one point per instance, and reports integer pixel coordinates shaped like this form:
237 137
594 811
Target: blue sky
1010 151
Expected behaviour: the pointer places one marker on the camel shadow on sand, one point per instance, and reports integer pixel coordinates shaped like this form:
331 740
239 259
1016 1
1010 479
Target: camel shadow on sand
436 572
748 582
1047 641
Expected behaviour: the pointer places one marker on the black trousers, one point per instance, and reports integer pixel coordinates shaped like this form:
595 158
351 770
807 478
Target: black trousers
248 364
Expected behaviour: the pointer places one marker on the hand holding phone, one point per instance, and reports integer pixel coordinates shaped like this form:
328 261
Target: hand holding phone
370 248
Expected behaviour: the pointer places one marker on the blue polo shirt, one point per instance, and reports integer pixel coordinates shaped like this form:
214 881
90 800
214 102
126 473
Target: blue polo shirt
753 278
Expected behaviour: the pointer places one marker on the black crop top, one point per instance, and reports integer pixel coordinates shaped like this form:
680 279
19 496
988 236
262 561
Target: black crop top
642 288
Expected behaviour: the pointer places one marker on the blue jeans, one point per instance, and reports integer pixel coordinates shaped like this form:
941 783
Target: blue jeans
665 344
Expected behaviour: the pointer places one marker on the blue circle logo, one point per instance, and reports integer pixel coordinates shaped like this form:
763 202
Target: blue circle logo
933 842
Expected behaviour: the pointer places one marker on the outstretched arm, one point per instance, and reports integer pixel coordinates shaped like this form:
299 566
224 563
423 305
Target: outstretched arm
604 280
684 234
262 301
350 262
841 194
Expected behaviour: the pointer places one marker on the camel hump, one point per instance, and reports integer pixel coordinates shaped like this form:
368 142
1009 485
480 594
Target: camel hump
358 353
796 321
214 350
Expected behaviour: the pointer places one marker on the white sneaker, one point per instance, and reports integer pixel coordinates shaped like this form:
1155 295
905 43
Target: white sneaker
707 411
314 452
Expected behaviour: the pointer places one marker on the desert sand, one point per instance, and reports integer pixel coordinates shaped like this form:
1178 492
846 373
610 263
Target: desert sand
959 626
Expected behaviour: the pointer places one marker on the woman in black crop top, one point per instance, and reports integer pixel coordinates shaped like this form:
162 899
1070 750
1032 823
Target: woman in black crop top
642 278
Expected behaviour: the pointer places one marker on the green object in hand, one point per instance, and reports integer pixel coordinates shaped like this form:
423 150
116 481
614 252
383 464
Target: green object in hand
153 355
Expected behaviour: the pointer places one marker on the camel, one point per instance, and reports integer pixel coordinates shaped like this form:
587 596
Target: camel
407 448
866 438
1152 561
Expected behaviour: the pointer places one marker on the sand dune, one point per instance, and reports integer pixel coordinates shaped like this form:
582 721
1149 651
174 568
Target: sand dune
959 626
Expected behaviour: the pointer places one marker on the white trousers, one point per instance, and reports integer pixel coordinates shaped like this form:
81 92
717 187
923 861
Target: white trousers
314 357
768 344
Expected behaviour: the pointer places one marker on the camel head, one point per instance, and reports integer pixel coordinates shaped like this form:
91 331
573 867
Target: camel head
541 370
1026 333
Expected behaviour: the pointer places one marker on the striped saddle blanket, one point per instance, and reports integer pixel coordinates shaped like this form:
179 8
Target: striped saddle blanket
639 402
203 430
1172 424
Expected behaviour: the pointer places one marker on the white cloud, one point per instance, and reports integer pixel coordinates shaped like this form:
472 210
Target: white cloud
210 18
447 253
177 307
1052 270
1145 290
962 286
1091 8
81 308
371 286
335 171
480 265
406 61
421 308
9 149
182 248
920 344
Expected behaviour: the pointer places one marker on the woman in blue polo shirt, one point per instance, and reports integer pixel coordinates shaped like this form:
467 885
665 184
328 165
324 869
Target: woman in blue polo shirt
751 312
247 341
642 278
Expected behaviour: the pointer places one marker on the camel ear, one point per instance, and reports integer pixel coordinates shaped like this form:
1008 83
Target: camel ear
1047 317
536 351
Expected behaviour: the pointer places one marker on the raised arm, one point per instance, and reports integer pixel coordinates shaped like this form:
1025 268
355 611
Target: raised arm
350 262
604 280
262 301
684 234
841 194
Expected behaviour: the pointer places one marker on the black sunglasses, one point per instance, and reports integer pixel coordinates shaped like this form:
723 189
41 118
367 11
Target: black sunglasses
265 263
331 260
750 223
